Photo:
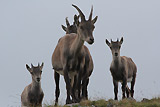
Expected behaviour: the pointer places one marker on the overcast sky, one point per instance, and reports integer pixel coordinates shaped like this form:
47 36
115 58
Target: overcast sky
30 29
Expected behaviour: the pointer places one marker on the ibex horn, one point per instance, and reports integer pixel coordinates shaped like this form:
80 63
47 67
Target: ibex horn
80 12
67 22
90 16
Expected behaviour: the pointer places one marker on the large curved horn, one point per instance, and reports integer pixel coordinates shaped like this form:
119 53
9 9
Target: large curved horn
67 22
90 16
80 12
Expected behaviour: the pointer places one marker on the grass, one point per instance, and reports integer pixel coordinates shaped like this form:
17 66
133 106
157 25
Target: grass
155 102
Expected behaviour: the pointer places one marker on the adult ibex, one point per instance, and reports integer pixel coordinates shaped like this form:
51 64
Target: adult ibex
122 68
88 59
32 95
68 58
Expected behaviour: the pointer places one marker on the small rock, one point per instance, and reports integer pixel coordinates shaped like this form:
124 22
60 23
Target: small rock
145 100
73 104
109 104
130 98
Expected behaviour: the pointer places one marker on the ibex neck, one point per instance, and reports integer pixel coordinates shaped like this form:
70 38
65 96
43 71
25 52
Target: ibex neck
35 86
77 45
116 60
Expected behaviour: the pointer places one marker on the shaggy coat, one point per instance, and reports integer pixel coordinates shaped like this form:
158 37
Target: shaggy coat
122 68
69 57
32 95
88 68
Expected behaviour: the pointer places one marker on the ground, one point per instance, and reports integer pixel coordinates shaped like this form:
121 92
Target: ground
154 102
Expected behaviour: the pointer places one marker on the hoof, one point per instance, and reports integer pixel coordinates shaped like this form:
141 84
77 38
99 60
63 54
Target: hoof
78 100
68 101
75 100
123 97
116 99
84 98
56 103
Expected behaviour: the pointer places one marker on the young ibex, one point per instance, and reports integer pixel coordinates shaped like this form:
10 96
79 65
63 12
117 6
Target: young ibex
32 95
68 58
122 68
88 68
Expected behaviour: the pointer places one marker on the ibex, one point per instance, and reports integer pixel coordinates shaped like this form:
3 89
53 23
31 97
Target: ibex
70 28
88 59
32 95
68 58
122 68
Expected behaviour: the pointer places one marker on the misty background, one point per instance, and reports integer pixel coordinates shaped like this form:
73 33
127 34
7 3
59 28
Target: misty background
30 29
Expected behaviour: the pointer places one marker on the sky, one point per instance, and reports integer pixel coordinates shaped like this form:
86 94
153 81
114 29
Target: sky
30 30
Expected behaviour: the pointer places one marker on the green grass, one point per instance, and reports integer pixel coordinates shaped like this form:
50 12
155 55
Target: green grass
155 102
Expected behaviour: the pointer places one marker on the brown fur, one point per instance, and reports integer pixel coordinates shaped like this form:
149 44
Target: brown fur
69 55
122 68
32 95
88 58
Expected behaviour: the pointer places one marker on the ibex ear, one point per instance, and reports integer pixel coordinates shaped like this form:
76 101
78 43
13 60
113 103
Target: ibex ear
107 42
121 41
64 28
41 66
94 20
28 68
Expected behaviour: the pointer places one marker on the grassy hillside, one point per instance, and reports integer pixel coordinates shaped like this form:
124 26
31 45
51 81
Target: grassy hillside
155 102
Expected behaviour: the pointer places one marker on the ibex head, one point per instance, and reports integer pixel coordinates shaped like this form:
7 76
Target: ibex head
35 72
85 27
115 47
70 28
